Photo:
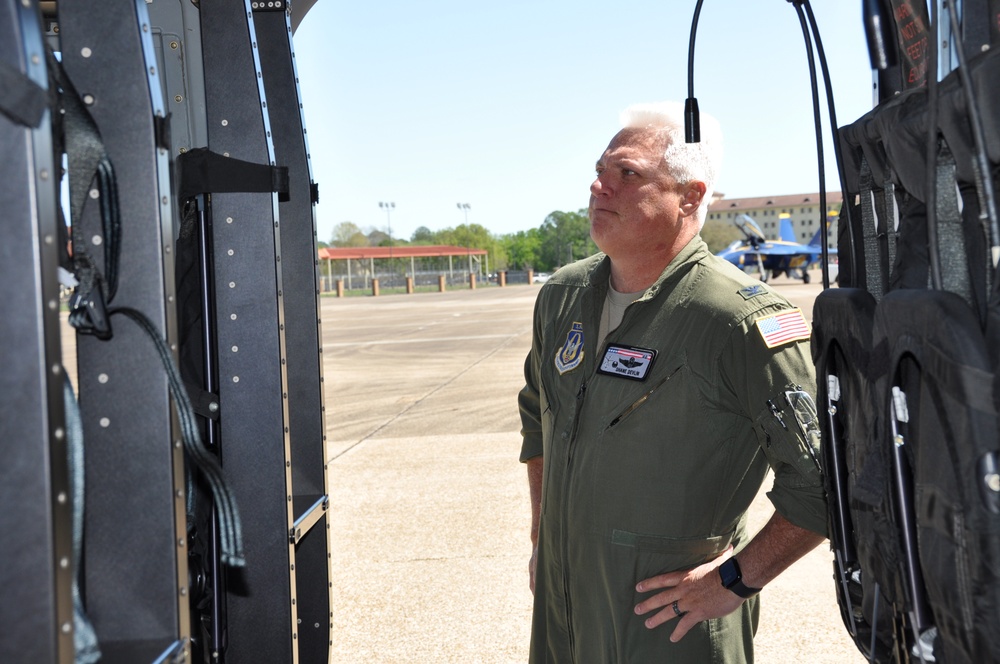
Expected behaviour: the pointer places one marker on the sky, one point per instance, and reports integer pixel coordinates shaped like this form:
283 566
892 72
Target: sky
505 106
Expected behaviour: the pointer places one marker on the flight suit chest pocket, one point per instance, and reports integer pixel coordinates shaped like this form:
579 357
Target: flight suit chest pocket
636 401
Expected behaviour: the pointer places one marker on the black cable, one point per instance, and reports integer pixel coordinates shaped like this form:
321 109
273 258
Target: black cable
845 208
692 120
825 250
225 503
692 129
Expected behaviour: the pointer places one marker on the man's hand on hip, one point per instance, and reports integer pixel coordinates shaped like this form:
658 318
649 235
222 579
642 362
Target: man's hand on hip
691 595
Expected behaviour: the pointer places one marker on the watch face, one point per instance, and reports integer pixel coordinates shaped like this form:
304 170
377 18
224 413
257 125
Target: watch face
730 573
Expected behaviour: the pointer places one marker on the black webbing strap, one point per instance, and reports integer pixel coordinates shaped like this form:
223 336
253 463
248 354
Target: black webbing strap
886 209
91 176
84 637
21 99
201 171
950 233
874 272
892 219
231 532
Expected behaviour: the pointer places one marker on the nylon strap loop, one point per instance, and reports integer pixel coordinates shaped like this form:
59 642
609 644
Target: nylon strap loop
202 171
951 237
873 257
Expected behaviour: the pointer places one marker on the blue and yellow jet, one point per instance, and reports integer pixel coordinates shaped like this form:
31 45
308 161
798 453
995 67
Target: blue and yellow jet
772 258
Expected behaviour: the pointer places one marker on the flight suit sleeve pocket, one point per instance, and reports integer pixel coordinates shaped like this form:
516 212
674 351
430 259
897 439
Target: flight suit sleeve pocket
787 431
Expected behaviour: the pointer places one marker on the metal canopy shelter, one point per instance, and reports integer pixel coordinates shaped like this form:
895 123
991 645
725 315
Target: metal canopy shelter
371 254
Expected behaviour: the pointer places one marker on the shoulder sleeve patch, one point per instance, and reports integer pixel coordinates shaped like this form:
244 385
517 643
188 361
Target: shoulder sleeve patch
752 291
783 327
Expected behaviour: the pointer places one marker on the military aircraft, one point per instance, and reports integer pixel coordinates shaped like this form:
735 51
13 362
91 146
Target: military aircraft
772 258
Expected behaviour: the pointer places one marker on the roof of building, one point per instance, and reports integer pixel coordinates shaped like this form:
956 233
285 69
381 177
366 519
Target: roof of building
415 251
790 200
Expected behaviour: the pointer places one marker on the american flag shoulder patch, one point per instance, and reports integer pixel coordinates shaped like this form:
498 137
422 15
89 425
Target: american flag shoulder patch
783 327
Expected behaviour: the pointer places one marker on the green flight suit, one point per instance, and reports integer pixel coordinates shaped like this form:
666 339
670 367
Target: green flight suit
647 477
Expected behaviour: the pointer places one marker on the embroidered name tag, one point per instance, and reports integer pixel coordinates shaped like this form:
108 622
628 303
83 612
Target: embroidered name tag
627 361
571 354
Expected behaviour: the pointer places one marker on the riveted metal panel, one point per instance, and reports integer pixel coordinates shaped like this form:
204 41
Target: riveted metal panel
35 530
249 305
135 555
302 328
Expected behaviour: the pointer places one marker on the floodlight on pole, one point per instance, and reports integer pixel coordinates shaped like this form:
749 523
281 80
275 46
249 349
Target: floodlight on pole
389 207
388 210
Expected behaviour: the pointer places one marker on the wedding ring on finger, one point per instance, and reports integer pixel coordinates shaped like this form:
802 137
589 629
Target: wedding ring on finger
677 610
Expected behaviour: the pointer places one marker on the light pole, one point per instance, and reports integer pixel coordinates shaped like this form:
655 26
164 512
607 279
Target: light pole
388 217
464 207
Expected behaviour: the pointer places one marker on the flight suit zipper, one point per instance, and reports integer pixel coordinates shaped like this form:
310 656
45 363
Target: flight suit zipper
580 396
580 400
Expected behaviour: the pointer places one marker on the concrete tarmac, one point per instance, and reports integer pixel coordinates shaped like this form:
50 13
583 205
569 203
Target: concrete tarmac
429 504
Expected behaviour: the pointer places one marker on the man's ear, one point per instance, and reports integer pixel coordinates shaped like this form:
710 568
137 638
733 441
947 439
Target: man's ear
691 197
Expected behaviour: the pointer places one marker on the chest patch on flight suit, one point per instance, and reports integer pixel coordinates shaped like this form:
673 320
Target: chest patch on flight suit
571 354
627 361
783 327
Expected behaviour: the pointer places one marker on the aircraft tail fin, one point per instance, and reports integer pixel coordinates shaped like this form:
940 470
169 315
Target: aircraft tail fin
815 240
787 230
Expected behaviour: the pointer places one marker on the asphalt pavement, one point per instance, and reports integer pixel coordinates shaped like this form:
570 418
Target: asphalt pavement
429 504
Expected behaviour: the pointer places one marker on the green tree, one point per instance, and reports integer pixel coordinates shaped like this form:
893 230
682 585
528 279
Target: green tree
347 234
719 234
474 236
523 248
377 238
423 235
565 237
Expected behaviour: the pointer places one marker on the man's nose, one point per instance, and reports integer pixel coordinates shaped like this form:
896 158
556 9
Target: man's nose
598 187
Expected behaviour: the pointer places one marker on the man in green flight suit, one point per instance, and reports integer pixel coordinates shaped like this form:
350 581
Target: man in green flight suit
661 385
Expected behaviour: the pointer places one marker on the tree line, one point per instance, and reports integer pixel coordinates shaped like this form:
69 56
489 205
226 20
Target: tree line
562 238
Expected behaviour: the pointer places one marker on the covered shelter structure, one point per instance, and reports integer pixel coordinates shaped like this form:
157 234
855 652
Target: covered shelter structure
357 266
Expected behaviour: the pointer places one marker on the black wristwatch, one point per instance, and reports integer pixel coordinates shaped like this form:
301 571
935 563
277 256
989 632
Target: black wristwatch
732 579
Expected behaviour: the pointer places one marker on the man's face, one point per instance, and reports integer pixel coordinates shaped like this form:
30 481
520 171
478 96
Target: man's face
634 203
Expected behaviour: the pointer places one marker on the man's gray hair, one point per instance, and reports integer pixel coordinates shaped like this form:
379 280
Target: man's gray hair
686 161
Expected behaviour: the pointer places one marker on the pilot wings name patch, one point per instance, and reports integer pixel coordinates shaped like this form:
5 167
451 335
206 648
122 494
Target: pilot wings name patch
783 327
627 361
571 354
